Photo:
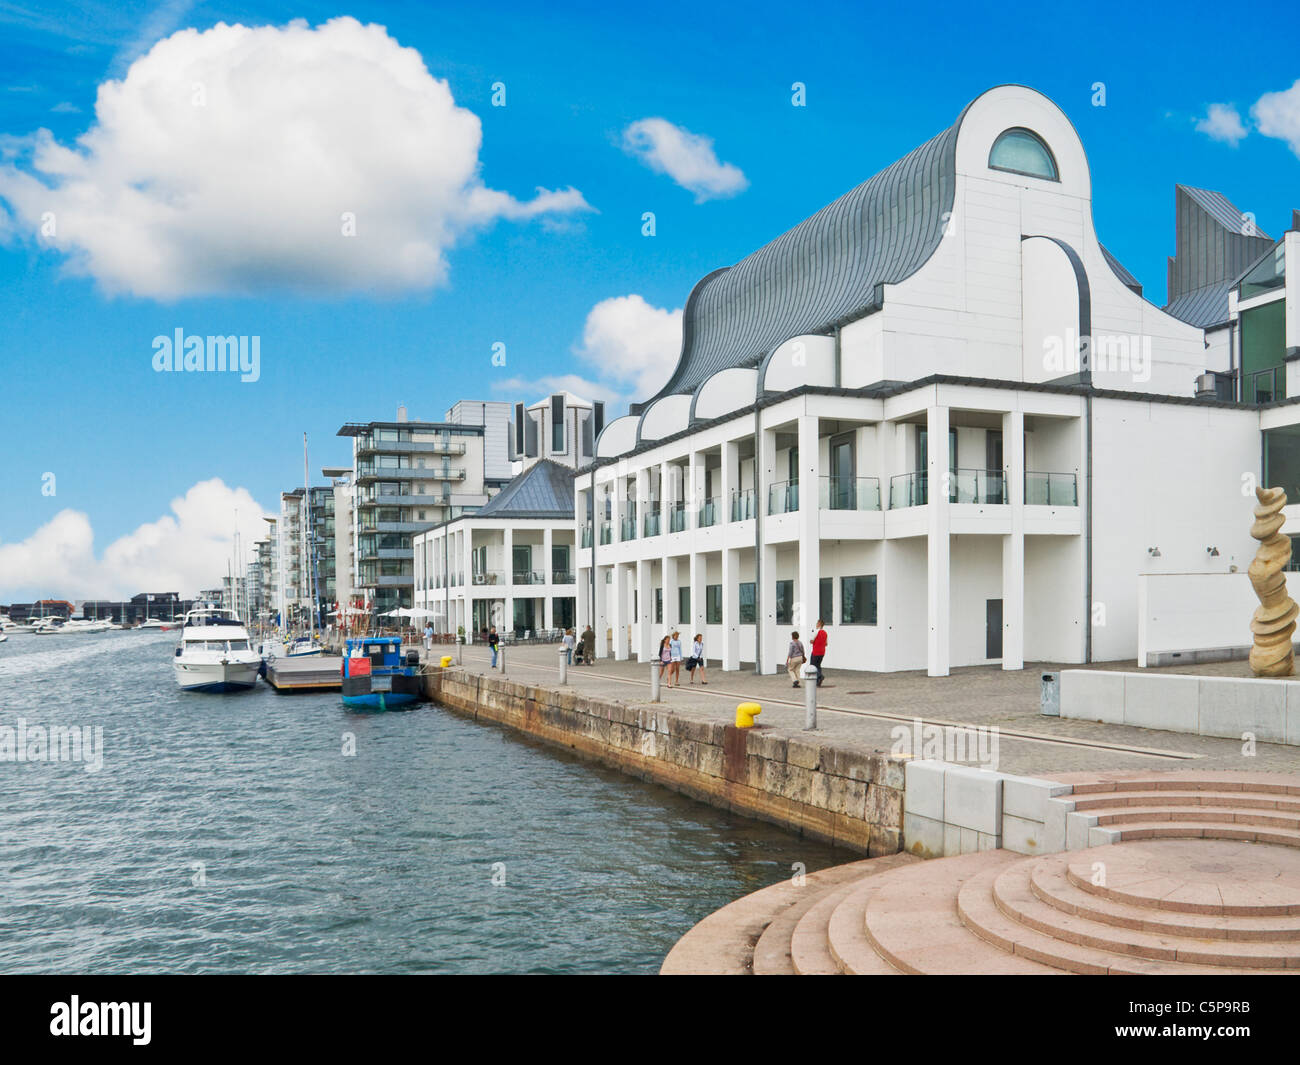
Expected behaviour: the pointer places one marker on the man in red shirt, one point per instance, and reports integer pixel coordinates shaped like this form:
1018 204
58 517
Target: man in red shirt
819 651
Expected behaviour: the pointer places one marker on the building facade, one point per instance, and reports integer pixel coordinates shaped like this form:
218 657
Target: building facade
941 417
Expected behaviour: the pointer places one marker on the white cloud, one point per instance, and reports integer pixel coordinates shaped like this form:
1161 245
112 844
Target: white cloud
1277 114
183 551
631 346
688 158
225 162
1223 123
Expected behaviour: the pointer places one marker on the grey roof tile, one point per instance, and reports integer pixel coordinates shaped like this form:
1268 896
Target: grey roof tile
544 490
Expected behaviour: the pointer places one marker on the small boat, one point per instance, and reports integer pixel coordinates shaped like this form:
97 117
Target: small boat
303 647
214 654
50 626
8 625
3 636
160 624
376 678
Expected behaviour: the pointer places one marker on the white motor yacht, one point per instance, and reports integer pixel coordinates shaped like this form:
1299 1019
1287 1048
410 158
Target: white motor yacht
215 654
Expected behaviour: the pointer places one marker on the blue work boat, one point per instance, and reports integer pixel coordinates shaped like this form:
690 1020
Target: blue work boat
375 677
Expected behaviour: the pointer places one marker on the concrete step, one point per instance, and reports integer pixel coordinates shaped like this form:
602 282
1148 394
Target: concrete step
810 949
1207 830
846 933
771 954
1230 799
980 913
1199 813
1186 780
1013 895
912 921
1049 882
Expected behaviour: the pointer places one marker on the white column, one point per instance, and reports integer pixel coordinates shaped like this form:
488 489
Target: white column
729 476
604 613
808 590
508 621
1013 546
672 614
647 630
548 614
730 607
938 582
698 568
619 611
771 649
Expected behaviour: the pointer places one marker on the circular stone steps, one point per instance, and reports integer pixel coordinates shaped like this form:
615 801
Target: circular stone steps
1048 880
1203 876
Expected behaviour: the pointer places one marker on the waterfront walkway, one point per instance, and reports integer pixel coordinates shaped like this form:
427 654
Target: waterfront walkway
860 710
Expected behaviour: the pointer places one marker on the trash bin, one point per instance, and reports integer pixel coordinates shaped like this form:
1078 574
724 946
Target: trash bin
1051 697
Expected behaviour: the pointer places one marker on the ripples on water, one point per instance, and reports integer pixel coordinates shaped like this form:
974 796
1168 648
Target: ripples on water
316 862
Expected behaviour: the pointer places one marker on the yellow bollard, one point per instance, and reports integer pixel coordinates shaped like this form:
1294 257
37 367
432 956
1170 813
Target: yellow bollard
446 661
745 714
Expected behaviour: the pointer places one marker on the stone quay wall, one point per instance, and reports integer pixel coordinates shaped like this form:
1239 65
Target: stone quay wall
838 794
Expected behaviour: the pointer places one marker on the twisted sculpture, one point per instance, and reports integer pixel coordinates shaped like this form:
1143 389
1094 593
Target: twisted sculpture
1275 619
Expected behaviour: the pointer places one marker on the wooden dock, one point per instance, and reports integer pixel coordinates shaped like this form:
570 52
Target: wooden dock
320 673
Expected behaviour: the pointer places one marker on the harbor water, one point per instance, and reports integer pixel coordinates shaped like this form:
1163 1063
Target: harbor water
282 834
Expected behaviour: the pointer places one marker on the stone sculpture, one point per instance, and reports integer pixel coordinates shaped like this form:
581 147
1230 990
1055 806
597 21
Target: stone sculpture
1275 620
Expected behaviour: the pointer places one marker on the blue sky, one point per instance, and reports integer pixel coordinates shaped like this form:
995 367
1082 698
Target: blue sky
84 402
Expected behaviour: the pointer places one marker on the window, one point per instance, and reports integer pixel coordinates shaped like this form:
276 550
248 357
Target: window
713 610
684 606
748 604
858 600
826 600
659 606
1019 151
785 602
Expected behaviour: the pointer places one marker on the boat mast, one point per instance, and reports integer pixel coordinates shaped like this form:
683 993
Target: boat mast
306 553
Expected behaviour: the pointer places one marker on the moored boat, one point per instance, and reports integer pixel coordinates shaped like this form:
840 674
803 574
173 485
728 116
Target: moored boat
375 677
214 654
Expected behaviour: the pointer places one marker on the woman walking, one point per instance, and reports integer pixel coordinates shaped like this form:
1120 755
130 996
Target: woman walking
794 658
675 660
697 659
665 658
568 646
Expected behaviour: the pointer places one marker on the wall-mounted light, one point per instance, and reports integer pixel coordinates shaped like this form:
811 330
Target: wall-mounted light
1213 552
1154 552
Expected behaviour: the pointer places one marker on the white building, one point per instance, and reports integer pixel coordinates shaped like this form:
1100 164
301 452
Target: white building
788 470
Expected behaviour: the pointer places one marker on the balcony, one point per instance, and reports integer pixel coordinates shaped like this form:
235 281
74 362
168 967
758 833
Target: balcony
368 471
677 517
964 486
562 576
586 536
849 493
1051 489
606 532
743 505
489 577
368 445
783 497
532 576
907 490
650 525
709 513
627 529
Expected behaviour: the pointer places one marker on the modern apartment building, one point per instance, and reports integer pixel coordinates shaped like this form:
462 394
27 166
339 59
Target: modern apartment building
940 416
408 476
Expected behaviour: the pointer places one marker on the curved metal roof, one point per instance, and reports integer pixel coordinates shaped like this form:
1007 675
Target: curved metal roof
823 271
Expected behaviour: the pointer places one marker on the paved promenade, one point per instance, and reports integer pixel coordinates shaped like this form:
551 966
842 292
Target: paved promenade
861 709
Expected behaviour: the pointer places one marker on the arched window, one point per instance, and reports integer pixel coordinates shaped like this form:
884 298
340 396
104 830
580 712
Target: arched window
1020 151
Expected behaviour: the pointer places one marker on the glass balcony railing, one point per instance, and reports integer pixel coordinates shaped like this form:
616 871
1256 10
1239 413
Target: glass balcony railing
783 497
708 513
907 490
977 486
489 577
677 517
606 532
650 525
627 529
586 536
1051 489
562 576
849 493
533 576
743 505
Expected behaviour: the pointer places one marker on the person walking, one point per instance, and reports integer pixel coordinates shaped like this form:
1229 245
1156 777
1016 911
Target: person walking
579 652
568 645
697 657
493 642
589 646
794 658
819 650
665 658
428 636
675 659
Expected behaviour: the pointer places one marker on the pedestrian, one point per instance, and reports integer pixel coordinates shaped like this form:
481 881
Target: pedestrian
819 650
428 636
675 659
697 656
794 658
665 658
579 653
589 646
569 644
493 641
